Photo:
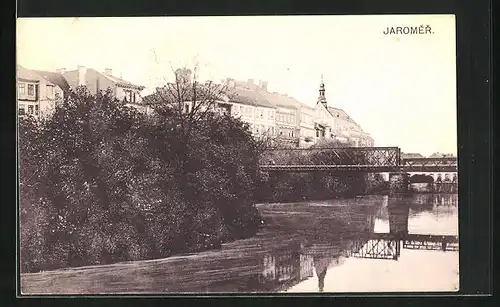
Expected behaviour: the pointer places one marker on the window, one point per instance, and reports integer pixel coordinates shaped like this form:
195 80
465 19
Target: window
31 90
50 91
261 114
37 110
22 89
130 96
30 109
186 107
22 110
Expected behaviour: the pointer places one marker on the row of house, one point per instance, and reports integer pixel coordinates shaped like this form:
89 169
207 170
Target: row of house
39 91
291 121
272 114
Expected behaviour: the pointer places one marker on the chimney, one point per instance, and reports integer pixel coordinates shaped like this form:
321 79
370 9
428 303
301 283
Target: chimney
263 85
82 72
250 83
108 71
61 70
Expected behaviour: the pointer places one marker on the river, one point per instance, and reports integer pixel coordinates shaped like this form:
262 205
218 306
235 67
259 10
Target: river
311 246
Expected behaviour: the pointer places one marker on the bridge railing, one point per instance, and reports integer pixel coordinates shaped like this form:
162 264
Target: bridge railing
349 156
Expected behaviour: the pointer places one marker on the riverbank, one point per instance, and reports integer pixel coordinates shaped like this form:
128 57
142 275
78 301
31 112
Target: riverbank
295 240
287 228
139 187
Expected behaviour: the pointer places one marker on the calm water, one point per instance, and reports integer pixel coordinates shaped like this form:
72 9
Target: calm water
302 247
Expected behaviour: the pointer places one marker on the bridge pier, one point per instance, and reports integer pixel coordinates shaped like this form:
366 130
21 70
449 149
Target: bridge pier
399 212
398 182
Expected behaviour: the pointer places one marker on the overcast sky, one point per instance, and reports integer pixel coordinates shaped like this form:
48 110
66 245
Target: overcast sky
401 89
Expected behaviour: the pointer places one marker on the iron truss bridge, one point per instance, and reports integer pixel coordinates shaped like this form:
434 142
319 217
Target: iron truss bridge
388 246
351 159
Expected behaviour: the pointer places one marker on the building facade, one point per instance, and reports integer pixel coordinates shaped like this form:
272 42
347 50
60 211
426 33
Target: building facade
298 124
36 96
96 81
253 108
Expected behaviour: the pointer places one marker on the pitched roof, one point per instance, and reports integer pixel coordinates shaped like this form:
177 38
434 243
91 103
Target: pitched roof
119 81
411 155
342 114
282 100
249 96
27 74
338 111
270 100
55 78
116 80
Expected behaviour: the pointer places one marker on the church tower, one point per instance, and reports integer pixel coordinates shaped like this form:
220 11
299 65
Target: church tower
322 98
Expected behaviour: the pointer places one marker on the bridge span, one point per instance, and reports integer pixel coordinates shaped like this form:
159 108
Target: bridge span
352 159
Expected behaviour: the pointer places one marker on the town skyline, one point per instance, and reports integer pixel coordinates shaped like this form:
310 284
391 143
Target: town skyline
369 77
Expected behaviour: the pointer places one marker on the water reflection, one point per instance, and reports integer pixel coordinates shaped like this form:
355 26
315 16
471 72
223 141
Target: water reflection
324 250
328 246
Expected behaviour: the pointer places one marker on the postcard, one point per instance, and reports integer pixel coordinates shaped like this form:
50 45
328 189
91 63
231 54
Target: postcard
257 154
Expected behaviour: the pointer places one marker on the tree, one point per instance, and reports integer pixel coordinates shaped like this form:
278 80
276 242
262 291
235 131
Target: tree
102 182
182 105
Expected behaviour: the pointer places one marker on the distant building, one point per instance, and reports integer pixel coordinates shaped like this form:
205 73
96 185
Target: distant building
96 81
343 127
283 117
324 123
287 118
441 155
298 124
411 155
36 96
253 108
56 78
307 135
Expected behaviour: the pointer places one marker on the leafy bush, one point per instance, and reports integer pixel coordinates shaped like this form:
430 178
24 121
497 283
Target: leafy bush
293 187
101 183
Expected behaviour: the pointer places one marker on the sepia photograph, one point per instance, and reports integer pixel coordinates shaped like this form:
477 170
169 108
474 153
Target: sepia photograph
237 154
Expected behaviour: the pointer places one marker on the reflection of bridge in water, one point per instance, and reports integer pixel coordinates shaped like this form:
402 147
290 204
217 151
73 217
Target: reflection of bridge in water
388 246
311 259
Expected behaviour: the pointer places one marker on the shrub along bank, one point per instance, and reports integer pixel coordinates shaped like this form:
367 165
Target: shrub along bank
102 183
316 185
